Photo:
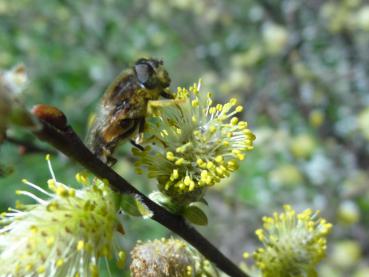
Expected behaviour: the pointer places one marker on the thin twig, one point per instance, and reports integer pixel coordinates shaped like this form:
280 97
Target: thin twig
29 148
67 141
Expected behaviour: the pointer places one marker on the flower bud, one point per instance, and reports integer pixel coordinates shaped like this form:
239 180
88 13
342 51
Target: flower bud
169 258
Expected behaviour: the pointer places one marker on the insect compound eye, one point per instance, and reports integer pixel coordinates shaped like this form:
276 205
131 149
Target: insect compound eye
144 72
155 64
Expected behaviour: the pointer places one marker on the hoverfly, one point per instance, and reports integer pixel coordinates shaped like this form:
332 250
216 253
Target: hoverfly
124 107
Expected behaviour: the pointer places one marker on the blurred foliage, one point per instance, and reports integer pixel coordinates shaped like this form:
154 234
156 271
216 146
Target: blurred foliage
300 67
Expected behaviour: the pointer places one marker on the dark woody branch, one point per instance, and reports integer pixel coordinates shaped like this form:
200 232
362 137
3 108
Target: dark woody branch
55 131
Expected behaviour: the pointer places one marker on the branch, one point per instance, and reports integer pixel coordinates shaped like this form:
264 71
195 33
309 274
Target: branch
28 147
55 131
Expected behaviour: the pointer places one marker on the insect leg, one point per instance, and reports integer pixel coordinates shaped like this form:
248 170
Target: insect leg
122 130
129 126
153 105
166 94
139 138
140 147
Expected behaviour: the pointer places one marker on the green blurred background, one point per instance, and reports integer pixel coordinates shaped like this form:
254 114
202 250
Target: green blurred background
301 69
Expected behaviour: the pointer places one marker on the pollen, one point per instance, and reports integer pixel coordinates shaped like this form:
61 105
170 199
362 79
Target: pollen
234 121
205 143
170 156
80 245
293 243
66 230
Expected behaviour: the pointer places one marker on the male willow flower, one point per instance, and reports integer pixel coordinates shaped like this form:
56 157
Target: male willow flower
293 243
194 144
64 235
169 258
